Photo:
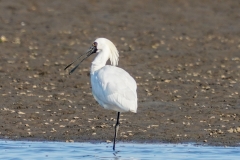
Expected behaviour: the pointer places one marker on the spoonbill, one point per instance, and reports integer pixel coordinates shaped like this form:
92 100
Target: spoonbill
112 87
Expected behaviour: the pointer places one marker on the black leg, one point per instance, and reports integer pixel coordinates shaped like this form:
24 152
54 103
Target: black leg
116 130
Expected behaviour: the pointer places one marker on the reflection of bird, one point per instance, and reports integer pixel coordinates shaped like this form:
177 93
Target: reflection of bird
112 87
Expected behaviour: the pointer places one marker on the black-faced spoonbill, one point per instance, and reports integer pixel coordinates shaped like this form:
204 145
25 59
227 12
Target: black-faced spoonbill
112 87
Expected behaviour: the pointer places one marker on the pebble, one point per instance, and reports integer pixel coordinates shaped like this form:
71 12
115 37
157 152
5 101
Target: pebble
108 141
238 129
3 39
230 130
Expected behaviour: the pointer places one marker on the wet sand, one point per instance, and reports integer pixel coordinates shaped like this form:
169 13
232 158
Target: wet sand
184 56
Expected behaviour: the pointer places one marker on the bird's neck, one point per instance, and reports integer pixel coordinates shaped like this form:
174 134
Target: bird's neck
100 60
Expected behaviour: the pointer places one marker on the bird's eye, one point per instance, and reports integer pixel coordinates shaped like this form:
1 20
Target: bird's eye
94 44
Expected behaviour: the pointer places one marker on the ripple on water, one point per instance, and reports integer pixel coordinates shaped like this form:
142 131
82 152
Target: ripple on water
19 150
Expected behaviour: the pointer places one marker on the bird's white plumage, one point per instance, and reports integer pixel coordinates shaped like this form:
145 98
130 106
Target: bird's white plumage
112 87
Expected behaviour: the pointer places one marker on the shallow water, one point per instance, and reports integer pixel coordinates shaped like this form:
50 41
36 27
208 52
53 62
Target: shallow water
18 150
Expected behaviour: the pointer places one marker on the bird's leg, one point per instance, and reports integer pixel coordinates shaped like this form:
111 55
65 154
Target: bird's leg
116 130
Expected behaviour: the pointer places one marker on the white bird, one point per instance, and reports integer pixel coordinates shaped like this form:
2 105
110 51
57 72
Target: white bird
112 87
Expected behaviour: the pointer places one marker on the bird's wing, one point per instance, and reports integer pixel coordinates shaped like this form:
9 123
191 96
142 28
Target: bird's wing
118 88
115 79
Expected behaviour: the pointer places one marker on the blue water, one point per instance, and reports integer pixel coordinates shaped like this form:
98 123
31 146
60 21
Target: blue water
24 150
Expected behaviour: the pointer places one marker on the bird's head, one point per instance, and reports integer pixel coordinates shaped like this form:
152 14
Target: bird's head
99 45
109 47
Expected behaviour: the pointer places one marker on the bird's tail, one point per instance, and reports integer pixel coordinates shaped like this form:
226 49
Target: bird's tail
133 108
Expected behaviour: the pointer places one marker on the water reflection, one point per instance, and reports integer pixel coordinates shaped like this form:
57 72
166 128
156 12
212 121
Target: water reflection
21 150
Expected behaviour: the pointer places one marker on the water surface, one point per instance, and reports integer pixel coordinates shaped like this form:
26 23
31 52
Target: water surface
23 150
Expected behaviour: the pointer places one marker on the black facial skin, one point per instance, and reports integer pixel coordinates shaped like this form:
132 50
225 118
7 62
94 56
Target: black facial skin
94 47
